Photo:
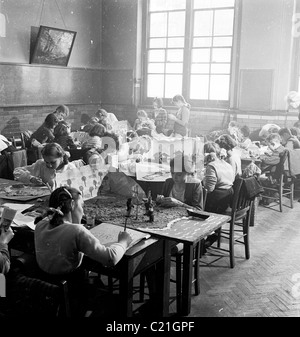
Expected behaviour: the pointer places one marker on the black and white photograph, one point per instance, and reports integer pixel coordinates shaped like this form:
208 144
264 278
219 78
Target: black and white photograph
150 158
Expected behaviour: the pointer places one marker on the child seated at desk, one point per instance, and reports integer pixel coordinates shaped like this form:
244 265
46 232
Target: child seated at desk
43 171
272 157
61 242
179 190
62 133
288 140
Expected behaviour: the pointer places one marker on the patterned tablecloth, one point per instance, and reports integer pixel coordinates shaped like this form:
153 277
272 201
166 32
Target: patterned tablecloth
112 208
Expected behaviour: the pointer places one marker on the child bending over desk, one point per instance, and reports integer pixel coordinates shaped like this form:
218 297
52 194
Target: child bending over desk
61 240
43 171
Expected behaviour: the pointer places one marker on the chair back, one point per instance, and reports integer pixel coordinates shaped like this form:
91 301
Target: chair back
283 166
241 202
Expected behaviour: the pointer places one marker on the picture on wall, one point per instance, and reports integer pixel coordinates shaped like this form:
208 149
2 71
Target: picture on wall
53 46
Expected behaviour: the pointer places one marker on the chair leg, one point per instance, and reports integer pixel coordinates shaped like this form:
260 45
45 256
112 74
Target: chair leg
197 269
280 194
67 306
178 283
231 245
142 286
246 236
292 194
110 284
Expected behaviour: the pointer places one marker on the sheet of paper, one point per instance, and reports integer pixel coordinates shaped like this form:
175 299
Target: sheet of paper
23 220
108 233
18 207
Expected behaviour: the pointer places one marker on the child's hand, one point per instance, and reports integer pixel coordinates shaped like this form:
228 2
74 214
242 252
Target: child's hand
6 236
125 237
36 180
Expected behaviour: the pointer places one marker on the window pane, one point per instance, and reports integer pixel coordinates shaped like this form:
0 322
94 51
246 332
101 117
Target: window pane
219 87
176 42
158 25
156 56
200 68
155 86
203 23
221 55
157 43
175 55
173 85
223 22
156 68
199 86
201 55
222 41
202 42
176 24
174 68
220 68
161 5
213 3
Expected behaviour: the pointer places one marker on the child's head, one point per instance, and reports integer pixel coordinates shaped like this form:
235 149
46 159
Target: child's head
295 131
285 134
97 130
142 114
158 102
233 124
54 156
180 166
101 114
93 120
273 141
226 142
65 200
245 131
84 119
51 121
179 100
62 112
62 129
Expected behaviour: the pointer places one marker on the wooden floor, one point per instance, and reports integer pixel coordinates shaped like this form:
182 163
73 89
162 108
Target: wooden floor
266 285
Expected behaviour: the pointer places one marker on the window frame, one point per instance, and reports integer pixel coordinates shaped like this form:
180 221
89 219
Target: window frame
187 58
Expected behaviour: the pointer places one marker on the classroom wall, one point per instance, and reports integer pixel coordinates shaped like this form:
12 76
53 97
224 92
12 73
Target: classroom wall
78 85
265 46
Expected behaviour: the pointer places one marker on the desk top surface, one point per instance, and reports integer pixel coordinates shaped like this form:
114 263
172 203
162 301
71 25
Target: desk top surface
190 229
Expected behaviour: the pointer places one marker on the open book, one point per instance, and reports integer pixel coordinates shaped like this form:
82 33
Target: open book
108 233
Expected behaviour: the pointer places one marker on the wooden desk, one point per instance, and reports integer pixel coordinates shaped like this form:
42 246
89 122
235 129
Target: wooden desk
138 259
246 161
189 231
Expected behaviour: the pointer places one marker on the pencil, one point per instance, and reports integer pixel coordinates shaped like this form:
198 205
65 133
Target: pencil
49 188
125 224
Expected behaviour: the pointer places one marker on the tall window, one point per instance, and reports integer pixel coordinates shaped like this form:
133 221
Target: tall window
189 49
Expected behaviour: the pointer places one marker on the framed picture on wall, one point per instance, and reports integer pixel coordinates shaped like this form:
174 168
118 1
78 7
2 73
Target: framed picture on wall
53 46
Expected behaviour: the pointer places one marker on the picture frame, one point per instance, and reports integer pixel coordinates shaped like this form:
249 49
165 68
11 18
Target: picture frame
53 46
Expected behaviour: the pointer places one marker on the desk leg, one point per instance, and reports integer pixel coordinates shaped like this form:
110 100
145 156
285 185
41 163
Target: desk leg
187 279
126 288
163 280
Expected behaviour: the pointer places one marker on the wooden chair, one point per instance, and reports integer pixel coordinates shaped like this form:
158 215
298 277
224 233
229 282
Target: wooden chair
279 184
238 226
18 142
40 291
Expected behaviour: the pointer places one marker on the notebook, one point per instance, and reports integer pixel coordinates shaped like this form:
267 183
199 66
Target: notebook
108 233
